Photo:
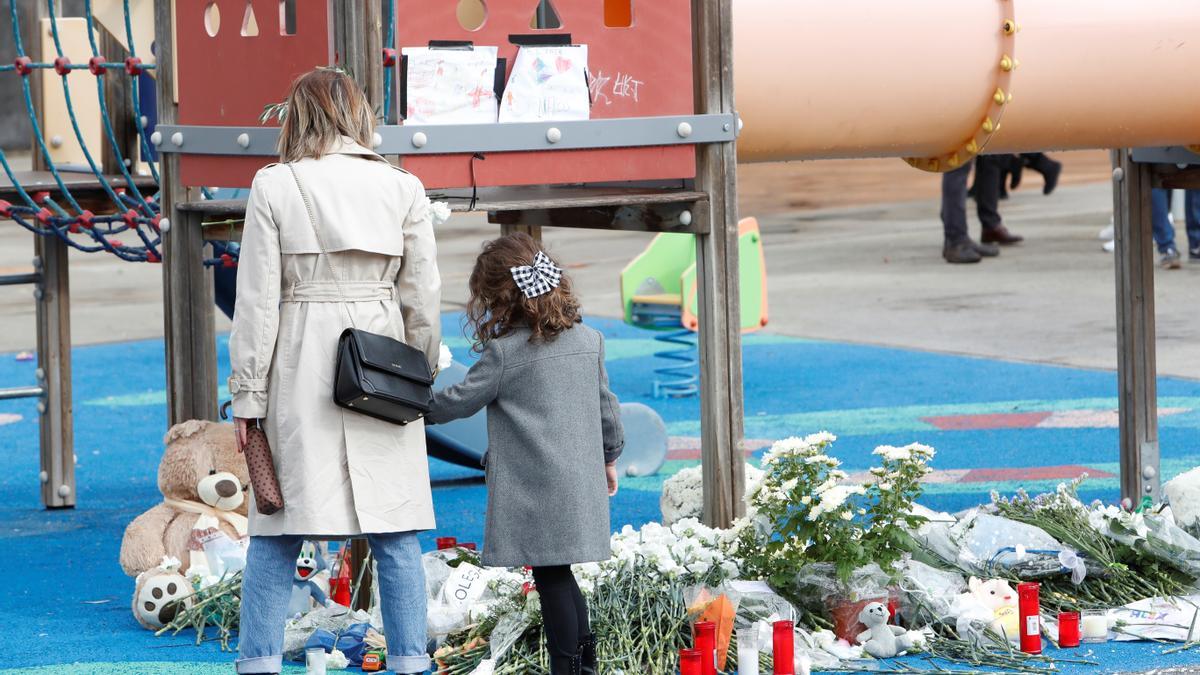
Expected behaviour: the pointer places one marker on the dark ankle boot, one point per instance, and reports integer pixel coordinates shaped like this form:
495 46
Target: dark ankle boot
564 665
587 655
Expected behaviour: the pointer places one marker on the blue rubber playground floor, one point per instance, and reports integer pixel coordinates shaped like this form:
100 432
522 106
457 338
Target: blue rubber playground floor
996 425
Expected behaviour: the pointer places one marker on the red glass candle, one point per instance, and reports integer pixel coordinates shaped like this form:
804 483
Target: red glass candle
704 635
689 662
785 648
470 545
444 543
339 589
1029 611
1068 629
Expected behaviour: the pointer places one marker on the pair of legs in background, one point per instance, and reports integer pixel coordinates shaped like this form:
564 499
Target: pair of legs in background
565 615
1164 231
958 247
267 588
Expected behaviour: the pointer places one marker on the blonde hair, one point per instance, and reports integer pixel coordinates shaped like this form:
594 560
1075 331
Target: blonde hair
323 105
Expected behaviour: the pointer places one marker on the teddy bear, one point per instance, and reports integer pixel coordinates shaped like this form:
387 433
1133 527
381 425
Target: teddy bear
201 521
880 639
992 603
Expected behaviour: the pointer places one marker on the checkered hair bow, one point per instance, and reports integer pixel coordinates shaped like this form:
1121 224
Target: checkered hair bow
539 278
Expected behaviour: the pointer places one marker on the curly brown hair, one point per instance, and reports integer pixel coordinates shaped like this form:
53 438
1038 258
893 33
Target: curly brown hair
497 306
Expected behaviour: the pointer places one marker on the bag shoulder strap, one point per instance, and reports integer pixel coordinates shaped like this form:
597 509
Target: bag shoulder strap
321 242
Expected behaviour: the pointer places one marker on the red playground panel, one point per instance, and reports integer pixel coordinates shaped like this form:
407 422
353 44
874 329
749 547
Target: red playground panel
234 60
641 70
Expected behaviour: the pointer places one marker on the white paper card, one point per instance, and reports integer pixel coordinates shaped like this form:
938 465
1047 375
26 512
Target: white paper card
547 83
451 86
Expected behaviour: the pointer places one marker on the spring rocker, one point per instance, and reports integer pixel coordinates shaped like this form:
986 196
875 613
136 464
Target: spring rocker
658 292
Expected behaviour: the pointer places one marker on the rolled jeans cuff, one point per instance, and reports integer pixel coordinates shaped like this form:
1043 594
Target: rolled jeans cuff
407 664
261 664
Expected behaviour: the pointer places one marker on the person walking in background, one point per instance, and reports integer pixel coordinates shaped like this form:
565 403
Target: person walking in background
1041 163
957 246
1164 227
342 474
554 434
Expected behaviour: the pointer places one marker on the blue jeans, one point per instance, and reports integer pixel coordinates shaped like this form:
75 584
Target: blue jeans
1164 233
267 588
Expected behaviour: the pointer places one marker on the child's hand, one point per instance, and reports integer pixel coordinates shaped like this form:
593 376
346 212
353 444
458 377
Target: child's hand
610 471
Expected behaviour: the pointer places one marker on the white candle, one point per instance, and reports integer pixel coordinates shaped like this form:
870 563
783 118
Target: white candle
748 651
1095 627
315 660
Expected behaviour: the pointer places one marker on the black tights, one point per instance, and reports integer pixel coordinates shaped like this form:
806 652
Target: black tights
564 611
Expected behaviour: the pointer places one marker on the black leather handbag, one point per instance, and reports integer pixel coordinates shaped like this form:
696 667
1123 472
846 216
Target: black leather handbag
375 375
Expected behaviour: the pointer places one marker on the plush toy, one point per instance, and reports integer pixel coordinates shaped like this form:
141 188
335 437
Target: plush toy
311 570
880 639
999 597
202 518
160 593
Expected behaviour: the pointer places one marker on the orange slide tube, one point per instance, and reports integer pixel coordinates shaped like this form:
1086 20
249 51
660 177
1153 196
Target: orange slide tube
940 80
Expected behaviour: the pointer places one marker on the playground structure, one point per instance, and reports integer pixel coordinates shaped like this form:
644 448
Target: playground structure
994 83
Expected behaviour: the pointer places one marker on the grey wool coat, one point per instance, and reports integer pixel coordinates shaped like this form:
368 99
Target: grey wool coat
552 424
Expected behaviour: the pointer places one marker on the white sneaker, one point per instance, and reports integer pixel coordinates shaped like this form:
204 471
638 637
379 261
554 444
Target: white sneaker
1109 245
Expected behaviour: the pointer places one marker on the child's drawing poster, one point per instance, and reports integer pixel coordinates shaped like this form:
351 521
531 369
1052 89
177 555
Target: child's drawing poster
451 86
547 83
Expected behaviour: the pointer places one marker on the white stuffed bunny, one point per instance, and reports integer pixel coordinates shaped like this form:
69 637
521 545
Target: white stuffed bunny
881 640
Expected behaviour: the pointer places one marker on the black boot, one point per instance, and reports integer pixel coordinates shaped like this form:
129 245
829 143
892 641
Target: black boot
587 655
564 665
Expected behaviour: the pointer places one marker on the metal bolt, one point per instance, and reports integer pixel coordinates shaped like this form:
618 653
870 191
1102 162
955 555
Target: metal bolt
1118 174
40 374
243 139
553 135
128 162
177 138
685 218
56 141
684 130
740 125
64 491
38 293
1148 472
1149 488
44 477
145 121
37 263
376 140
156 138
41 407
164 225
419 139
725 127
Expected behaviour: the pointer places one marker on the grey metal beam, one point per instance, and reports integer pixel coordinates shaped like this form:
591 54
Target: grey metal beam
432 139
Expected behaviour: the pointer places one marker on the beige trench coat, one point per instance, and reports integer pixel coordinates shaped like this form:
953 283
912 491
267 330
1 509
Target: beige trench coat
342 473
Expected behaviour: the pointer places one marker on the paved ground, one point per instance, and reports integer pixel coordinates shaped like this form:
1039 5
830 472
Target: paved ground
870 274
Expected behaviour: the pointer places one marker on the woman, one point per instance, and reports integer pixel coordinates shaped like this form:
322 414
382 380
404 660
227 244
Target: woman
342 474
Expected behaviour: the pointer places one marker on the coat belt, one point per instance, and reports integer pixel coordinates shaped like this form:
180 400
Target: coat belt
328 291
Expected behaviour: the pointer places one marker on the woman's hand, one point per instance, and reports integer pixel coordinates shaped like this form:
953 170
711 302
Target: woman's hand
241 427
610 472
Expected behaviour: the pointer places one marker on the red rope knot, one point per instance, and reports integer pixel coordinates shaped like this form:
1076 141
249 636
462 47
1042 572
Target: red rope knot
5 209
84 221
44 216
133 65
24 65
151 256
130 217
389 57
40 197
96 65
226 260
62 66
154 222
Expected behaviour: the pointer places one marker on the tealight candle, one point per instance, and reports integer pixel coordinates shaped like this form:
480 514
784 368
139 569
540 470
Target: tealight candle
1095 626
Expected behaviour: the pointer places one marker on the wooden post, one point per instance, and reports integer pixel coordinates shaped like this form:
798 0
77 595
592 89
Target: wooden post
358 42
120 109
187 284
56 428
720 340
1136 370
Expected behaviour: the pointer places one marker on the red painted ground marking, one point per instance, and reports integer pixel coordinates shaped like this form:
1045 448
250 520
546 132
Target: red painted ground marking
1033 473
1024 420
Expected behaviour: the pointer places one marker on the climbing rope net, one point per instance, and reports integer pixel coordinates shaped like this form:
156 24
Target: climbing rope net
132 230
134 215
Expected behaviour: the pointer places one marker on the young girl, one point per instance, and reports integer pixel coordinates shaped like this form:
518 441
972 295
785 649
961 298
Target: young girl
554 433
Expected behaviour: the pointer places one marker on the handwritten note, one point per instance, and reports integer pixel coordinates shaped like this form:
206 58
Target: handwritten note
547 83
451 86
